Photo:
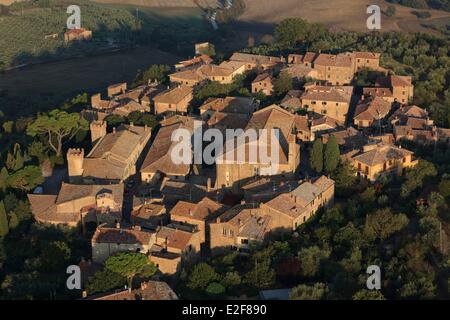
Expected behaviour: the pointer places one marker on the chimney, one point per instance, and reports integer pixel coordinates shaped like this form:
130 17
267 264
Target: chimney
114 130
218 220
131 124
143 285
84 294
117 225
190 212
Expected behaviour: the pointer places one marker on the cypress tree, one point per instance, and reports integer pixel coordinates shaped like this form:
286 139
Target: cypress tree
332 155
3 221
316 157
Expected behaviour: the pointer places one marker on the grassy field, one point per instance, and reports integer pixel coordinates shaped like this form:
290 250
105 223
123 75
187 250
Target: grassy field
349 15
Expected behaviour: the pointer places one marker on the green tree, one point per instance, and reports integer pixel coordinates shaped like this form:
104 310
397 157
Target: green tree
344 178
262 275
15 160
104 281
55 256
215 290
8 126
114 120
311 259
283 84
149 120
318 291
383 223
38 150
4 175
4 229
365 294
26 179
57 126
231 279
444 188
332 155
134 117
202 275
316 158
415 177
127 264
390 11
13 220
156 72
291 31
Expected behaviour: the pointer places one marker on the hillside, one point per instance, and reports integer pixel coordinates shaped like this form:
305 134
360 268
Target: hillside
26 35
337 14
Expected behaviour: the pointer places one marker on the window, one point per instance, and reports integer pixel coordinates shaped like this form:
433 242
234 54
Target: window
231 232
324 103
324 111
244 241
404 160
313 102
224 232
359 166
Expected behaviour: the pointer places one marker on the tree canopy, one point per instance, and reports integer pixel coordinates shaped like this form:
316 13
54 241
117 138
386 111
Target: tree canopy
57 126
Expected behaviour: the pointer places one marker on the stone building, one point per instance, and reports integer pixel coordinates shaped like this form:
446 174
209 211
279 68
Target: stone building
223 74
332 101
260 62
113 157
231 174
199 214
158 163
148 291
289 210
263 83
392 89
242 106
174 247
371 112
380 159
175 100
335 69
108 241
77 204
239 228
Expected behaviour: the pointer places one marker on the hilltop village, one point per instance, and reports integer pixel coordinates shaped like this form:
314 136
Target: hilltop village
127 187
